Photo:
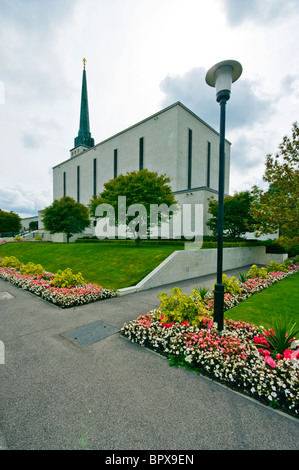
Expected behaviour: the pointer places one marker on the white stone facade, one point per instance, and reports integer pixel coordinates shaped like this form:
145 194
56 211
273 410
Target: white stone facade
173 141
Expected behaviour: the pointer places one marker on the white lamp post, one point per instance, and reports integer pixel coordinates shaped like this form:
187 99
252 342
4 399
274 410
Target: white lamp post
221 76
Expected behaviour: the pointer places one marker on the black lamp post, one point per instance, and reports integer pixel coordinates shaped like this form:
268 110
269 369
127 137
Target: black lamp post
221 76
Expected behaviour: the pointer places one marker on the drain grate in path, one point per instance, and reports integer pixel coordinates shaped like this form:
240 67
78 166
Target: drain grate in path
91 333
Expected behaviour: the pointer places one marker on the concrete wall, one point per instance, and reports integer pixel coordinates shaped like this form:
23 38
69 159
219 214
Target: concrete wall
25 222
182 265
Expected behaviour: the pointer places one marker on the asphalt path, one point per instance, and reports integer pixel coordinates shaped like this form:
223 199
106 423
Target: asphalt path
114 395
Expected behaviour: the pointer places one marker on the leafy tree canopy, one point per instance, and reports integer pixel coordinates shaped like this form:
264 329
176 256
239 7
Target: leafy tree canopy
278 207
10 221
66 216
140 188
237 219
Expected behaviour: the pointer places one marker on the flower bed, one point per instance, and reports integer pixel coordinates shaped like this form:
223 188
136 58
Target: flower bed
63 297
235 357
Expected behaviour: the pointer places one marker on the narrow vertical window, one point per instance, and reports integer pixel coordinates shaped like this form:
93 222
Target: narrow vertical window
94 176
78 184
189 158
141 152
64 183
115 164
208 164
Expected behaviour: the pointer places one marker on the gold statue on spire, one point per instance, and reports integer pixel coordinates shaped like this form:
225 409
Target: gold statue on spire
84 62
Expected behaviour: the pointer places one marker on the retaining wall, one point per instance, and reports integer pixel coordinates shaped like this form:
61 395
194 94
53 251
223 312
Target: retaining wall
188 264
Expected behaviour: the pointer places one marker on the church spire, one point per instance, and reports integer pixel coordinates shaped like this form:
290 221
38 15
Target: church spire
84 135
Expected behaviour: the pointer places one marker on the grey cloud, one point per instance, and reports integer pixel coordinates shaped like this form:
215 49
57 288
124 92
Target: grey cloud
244 107
35 15
261 11
31 141
27 47
290 85
246 152
22 201
40 131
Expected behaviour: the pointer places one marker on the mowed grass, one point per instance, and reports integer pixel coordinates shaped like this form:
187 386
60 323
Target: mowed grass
276 303
111 266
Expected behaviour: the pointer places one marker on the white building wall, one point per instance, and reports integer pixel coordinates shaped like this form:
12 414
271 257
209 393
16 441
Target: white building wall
202 133
165 139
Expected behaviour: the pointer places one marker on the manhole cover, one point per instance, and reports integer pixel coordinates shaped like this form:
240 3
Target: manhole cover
91 333
6 296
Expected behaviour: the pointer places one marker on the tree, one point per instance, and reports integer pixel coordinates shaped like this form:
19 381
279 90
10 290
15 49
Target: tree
10 222
140 188
278 207
237 219
66 216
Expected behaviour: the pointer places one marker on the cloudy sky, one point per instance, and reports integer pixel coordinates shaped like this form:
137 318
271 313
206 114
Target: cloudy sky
142 55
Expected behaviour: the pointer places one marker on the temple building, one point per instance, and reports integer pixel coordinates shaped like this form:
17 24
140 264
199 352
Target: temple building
173 141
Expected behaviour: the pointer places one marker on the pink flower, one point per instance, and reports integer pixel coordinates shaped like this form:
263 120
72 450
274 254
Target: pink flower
295 354
270 362
185 323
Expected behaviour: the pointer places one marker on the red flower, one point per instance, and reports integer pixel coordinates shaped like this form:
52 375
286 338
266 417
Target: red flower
264 352
261 340
288 354
168 325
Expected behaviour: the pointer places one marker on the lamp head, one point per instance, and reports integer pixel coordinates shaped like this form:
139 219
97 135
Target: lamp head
222 75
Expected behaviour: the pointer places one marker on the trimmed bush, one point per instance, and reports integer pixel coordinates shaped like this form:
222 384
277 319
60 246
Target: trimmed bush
10 262
66 278
179 307
32 269
254 271
274 267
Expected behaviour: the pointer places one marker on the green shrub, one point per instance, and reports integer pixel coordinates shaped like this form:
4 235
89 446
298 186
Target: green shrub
231 285
18 238
10 262
287 262
254 271
38 237
296 259
273 267
283 245
179 307
32 269
66 278
203 291
242 277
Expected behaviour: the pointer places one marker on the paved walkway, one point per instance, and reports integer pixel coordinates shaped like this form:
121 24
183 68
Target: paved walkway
115 395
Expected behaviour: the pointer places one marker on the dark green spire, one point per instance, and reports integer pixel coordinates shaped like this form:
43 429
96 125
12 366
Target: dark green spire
84 135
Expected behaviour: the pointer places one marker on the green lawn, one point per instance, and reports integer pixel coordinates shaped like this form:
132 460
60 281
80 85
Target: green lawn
111 266
279 301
